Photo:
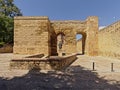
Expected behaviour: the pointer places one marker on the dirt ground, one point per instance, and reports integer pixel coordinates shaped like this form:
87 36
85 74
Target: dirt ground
78 76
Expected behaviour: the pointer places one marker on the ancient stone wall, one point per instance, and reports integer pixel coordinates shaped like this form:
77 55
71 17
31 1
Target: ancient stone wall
36 35
109 40
68 29
6 49
31 35
92 36
89 30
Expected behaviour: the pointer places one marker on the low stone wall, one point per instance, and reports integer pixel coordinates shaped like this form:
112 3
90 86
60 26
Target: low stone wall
51 63
36 56
6 49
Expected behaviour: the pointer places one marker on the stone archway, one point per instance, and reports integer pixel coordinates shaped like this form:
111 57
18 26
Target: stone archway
89 30
81 44
43 34
60 43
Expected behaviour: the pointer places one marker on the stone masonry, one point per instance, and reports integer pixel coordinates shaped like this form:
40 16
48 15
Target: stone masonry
36 35
31 35
109 40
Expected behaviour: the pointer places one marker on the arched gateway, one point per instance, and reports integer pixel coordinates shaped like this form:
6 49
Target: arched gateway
35 35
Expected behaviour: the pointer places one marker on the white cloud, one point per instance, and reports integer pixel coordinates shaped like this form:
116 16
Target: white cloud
101 27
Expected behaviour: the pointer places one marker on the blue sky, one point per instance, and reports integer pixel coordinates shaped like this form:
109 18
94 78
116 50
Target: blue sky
108 11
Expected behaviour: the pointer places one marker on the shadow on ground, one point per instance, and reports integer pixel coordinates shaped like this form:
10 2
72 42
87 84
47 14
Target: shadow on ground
73 78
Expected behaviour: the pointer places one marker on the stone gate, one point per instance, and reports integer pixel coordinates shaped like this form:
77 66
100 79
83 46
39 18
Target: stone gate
38 35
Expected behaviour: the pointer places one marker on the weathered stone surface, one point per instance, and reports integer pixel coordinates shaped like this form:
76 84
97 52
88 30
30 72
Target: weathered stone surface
6 49
31 35
109 40
35 35
51 63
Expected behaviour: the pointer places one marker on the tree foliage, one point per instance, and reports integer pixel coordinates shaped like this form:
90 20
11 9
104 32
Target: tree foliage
6 29
7 11
8 8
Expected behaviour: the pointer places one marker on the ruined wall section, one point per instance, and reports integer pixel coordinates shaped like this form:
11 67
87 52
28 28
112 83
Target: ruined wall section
109 40
69 29
37 35
31 35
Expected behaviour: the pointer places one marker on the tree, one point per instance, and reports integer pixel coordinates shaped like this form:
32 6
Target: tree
6 29
8 8
7 11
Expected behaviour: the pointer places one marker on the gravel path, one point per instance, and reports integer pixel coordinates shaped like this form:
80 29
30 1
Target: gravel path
78 76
